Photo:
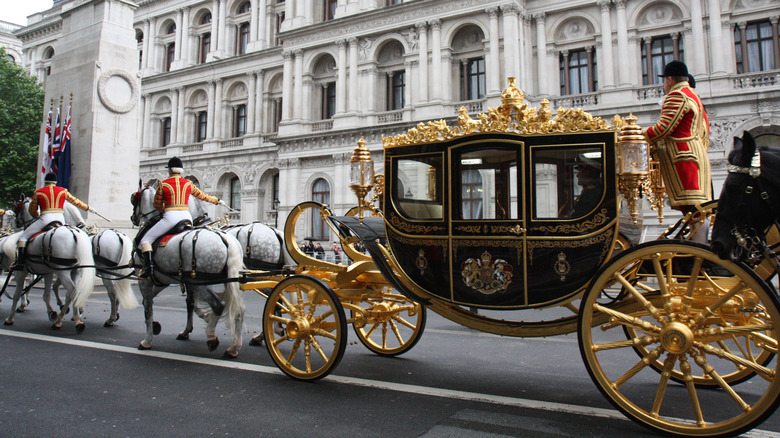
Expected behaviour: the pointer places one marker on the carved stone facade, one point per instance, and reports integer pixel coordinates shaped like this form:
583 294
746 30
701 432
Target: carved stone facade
241 94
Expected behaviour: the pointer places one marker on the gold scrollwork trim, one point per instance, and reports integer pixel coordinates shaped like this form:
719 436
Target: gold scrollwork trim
403 226
469 228
579 227
480 243
512 116
442 243
534 244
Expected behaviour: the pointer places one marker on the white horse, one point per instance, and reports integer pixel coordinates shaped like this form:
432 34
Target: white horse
199 260
65 251
113 252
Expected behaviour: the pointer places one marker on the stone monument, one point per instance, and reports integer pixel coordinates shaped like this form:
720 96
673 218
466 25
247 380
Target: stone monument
96 60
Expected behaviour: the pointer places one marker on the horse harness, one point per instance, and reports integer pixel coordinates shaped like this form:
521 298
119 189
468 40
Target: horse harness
754 247
108 270
253 263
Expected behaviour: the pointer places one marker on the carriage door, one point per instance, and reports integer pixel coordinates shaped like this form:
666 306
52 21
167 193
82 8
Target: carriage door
486 245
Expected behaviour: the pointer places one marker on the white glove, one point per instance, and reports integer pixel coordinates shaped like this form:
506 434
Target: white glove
221 202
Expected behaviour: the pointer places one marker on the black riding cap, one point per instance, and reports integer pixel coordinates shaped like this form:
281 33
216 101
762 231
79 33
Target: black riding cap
50 177
175 162
675 68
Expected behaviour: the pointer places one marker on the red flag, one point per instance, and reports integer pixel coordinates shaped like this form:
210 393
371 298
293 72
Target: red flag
45 148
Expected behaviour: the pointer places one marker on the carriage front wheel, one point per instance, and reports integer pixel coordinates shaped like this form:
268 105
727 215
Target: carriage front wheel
304 327
389 325
698 318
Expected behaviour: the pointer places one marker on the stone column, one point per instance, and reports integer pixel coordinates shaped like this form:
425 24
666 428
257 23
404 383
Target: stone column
635 60
178 37
146 47
422 33
436 93
511 42
185 36
527 53
775 38
174 113
697 33
259 126
541 54
250 104
352 105
298 93
407 88
214 26
181 130
219 115
446 76
147 123
624 72
253 22
608 67
210 116
372 79
262 24
289 14
139 134
222 27
341 78
493 69
152 65
716 36
287 84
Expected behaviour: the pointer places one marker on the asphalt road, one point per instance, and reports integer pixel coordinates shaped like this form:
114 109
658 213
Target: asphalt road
455 382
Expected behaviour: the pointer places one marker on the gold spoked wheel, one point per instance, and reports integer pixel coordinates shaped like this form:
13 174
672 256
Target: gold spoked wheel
701 320
304 327
389 325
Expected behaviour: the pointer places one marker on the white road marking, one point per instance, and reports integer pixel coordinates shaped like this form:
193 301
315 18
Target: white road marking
377 384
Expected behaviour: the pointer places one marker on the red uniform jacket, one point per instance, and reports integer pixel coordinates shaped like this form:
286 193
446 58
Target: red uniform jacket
51 199
681 139
174 194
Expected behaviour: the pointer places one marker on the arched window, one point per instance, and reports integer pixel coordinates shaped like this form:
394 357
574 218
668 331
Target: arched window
239 125
244 8
320 192
243 38
48 53
165 134
171 29
170 53
328 100
396 90
206 18
205 47
201 123
578 72
235 193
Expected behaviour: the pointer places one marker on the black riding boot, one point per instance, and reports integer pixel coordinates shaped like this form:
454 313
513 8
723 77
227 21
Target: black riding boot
21 253
148 270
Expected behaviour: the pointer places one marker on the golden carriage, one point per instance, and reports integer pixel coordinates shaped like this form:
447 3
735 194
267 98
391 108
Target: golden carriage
516 213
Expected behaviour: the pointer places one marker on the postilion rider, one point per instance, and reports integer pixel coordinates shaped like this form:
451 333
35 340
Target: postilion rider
680 141
172 198
50 199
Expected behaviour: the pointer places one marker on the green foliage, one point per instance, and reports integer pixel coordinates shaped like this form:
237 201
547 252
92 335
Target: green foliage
21 112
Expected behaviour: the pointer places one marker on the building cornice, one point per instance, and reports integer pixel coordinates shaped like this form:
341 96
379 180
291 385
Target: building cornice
40 29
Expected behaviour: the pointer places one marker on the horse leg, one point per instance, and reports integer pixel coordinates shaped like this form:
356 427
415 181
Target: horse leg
47 288
19 277
148 293
184 335
111 291
70 287
232 351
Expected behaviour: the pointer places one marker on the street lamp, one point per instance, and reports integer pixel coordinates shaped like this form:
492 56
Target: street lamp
361 174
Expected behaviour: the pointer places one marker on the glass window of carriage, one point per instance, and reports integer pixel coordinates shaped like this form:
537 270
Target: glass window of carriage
417 187
568 183
485 185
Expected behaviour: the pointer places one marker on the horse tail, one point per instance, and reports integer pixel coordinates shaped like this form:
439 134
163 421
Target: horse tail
124 294
86 281
233 296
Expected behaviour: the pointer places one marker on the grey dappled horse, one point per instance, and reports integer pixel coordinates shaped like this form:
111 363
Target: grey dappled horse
65 251
200 259
113 252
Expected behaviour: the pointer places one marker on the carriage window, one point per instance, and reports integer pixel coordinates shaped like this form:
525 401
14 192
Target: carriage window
569 183
418 186
488 184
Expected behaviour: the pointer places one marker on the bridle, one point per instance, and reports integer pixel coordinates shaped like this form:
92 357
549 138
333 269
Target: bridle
19 211
138 218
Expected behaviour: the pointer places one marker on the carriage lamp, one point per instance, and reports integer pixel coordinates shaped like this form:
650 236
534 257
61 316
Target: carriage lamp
361 174
633 164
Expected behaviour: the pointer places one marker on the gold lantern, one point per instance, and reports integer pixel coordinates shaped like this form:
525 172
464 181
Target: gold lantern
633 164
361 174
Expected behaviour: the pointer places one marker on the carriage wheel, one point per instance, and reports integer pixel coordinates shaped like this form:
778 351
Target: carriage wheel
389 325
692 313
304 328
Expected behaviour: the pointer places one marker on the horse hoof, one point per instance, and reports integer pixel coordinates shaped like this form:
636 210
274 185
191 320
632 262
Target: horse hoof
156 328
212 344
256 341
108 324
55 327
8 323
182 337
20 310
52 315
80 328
141 347
229 355
117 317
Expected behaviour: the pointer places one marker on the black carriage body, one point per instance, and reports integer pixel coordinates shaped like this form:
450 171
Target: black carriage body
503 220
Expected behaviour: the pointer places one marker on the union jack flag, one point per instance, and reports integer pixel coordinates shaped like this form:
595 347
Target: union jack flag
56 144
45 148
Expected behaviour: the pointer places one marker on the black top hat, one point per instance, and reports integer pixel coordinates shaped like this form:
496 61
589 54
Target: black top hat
175 162
675 68
50 177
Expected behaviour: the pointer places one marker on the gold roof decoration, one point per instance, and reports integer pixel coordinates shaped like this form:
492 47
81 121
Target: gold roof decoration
512 116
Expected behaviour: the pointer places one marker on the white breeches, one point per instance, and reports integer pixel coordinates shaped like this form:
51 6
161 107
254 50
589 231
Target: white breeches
168 221
40 223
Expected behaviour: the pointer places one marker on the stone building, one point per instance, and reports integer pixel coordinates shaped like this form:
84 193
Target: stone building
12 45
265 99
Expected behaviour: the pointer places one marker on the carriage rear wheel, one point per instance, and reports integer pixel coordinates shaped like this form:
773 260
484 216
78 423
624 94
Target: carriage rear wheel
304 327
702 320
389 325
